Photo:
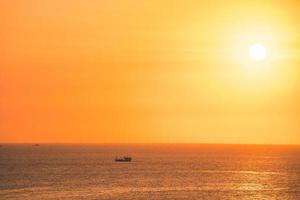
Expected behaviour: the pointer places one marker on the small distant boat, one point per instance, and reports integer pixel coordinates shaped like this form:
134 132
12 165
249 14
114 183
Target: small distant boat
36 145
123 159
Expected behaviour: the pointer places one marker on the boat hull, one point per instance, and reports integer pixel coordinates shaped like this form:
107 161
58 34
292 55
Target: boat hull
125 159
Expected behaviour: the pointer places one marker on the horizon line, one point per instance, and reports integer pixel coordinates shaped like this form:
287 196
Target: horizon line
154 143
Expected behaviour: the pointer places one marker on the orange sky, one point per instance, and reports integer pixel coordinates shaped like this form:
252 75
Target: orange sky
149 71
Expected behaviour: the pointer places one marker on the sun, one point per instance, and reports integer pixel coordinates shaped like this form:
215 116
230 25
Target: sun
257 52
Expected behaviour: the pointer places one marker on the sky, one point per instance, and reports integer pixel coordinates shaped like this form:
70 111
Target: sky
152 71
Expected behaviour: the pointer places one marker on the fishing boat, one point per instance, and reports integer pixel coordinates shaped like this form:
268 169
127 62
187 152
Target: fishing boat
123 159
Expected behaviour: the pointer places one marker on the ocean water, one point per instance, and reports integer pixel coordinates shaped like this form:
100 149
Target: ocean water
88 172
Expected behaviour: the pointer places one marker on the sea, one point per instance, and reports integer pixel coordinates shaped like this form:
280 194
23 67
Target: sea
157 171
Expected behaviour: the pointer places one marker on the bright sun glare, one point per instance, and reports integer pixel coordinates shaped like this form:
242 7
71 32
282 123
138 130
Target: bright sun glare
257 52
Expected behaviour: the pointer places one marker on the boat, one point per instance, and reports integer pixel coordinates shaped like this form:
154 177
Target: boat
36 145
123 159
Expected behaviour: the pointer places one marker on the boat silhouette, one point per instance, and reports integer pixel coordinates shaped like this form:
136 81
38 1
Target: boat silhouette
123 159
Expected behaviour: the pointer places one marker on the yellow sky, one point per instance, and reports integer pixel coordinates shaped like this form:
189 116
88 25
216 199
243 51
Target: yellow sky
149 71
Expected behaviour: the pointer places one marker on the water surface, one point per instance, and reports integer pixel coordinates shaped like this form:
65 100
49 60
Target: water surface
88 172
